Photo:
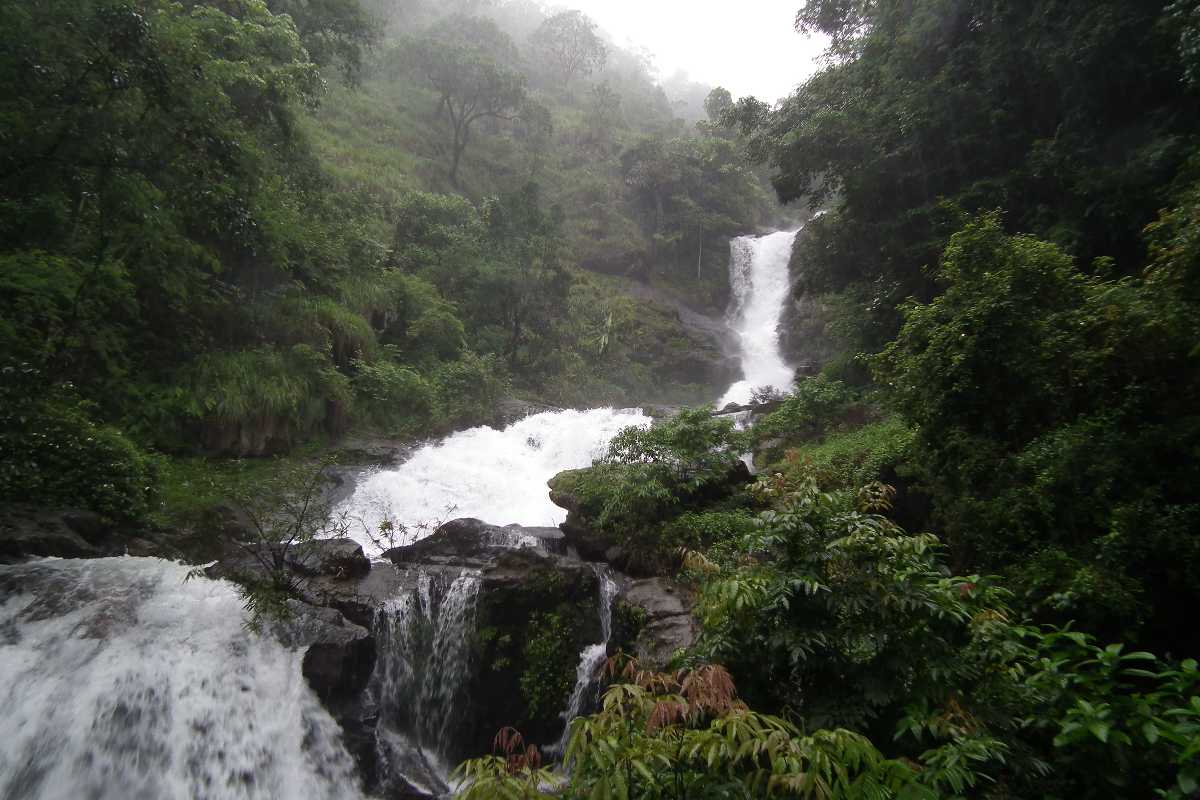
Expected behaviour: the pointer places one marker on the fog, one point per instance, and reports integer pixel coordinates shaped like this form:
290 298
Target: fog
749 46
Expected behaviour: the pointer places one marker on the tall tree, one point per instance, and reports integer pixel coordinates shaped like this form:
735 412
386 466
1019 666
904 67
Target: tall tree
471 65
569 44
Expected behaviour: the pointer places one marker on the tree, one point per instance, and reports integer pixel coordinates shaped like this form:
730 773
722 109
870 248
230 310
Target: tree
717 104
469 62
569 44
603 112
334 32
1055 411
523 289
989 104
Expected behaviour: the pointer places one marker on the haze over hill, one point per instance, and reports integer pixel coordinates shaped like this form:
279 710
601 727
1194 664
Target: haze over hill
750 50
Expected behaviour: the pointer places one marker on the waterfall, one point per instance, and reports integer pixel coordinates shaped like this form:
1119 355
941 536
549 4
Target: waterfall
590 660
758 276
423 639
122 680
495 475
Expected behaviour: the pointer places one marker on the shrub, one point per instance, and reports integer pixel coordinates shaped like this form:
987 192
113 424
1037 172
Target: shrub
694 529
649 474
550 662
250 402
813 407
467 390
393 396
856 457
55 454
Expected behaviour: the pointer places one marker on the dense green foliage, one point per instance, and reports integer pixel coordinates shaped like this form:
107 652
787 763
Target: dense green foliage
1081 480
185 245
1075 121
1042 356
650 475
53 450
888 675
549 658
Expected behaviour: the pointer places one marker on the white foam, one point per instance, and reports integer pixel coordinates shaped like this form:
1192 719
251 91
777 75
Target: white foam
120 680
758 275
498 476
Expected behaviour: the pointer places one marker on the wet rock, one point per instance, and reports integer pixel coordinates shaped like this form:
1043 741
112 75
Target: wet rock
87 524
522 592
339 655
511 409
358 599
661 413
589 541
36 533
332 558
372 451
472 542
336 558
669 625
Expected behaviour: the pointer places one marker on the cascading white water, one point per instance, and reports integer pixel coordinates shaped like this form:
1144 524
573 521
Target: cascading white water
495 475
758 275
423 637
590 658
121 680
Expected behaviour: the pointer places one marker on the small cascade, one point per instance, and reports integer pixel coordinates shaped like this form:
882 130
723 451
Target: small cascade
590 660
123 678
422 666
485 473
758 276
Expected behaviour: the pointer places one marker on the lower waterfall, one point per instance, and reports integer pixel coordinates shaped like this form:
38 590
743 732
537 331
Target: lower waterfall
124 681
423 638
590 661
125 678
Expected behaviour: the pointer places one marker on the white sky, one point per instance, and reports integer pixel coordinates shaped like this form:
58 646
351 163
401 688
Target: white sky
747 46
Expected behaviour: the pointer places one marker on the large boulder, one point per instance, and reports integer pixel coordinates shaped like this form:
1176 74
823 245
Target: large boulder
38 533
470 542
511 409
337 558
338 655
593 543
666 622
588 540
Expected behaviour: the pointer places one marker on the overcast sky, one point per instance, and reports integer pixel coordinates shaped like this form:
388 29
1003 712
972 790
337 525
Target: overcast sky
747 46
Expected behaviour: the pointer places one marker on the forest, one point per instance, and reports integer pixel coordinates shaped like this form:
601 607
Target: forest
237 234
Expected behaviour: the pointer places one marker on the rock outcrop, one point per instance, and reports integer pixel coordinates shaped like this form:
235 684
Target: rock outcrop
666 622
28 532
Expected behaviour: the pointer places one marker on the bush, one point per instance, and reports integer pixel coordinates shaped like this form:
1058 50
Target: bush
251 402
814 406
695 529
651 474
550 661
393 396
467 390
856 457
56 455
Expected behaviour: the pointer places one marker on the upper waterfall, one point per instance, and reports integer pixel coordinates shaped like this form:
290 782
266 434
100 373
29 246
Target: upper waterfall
758 276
